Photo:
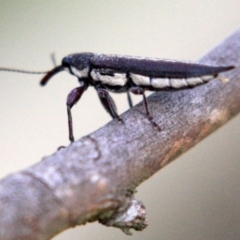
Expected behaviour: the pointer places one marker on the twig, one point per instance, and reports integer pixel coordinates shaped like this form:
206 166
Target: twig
95 177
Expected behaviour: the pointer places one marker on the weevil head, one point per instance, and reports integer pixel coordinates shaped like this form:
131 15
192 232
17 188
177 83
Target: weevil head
77 64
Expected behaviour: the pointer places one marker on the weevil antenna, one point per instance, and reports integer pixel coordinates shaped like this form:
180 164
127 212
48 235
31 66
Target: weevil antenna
22 71
53 59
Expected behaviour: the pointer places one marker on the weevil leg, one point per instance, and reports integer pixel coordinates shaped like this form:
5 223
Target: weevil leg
129 100
108 103
72 98
140 91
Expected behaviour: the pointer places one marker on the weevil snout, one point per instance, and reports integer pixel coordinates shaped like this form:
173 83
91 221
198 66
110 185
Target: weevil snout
50 74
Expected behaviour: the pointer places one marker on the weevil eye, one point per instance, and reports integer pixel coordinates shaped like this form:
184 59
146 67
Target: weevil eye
66 64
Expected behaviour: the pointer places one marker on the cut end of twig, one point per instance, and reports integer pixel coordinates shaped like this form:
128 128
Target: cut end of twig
134 217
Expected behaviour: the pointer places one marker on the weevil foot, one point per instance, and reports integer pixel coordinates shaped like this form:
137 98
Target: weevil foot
153 123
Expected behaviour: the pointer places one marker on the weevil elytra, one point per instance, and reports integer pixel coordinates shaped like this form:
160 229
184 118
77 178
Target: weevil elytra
119 74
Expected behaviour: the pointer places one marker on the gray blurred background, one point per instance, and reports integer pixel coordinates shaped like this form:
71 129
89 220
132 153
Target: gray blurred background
195 197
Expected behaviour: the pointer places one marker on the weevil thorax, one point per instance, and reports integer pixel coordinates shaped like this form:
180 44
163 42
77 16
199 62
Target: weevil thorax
77 64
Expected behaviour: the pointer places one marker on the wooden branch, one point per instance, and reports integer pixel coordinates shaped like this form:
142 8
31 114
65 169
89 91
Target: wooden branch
95 177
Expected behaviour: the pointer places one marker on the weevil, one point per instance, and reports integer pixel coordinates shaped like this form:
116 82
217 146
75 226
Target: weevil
117 73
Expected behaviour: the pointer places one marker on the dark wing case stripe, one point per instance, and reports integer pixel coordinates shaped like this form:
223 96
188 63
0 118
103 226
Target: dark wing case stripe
155 67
